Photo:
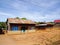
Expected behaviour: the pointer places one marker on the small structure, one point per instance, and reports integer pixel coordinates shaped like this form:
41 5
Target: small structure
44 26
56 21
41 26
50 26
14 24
57 24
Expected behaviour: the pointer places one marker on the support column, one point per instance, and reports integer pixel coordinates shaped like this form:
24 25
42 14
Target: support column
8 27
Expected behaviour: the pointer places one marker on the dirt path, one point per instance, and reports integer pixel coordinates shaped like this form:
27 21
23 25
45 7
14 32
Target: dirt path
6 40
36 38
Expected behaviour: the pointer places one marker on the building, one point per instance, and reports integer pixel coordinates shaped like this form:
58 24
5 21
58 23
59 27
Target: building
44 26
14 24
57 24
41 26
56 21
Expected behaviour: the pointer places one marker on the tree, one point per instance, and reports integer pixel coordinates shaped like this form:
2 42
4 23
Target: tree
17 18
24 18
3 25
40 22
21 18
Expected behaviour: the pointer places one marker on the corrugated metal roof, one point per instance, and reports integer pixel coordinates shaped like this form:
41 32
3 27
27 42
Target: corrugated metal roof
44 25
41 25
14 20
57 21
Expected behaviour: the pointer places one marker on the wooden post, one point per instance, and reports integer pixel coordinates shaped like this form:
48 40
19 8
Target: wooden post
8 27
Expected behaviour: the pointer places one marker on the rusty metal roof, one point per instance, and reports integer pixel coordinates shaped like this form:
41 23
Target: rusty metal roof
20 21
41 25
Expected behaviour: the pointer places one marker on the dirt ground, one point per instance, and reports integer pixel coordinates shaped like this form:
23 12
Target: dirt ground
41 37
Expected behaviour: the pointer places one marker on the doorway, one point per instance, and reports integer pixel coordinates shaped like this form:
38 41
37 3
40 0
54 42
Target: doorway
14 28
23 28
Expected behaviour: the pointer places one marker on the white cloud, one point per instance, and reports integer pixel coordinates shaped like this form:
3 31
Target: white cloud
39 17
23 7
42 3
6 14
18 5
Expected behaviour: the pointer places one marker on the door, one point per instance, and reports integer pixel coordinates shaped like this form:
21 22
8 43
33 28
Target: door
23 28
14 28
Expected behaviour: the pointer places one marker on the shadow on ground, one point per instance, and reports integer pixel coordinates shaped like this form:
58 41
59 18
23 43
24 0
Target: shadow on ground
55 43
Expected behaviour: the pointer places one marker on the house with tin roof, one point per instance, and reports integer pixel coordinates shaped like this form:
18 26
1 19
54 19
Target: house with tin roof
44 26
56 21
57 24
14 24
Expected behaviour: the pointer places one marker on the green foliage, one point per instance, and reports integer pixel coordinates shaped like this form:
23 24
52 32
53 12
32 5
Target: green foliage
24 18
52 22
17 18
3 25
40 22
21 18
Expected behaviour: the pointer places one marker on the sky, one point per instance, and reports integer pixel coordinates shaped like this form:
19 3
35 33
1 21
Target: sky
36 10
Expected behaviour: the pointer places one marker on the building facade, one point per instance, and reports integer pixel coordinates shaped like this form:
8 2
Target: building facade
14 24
